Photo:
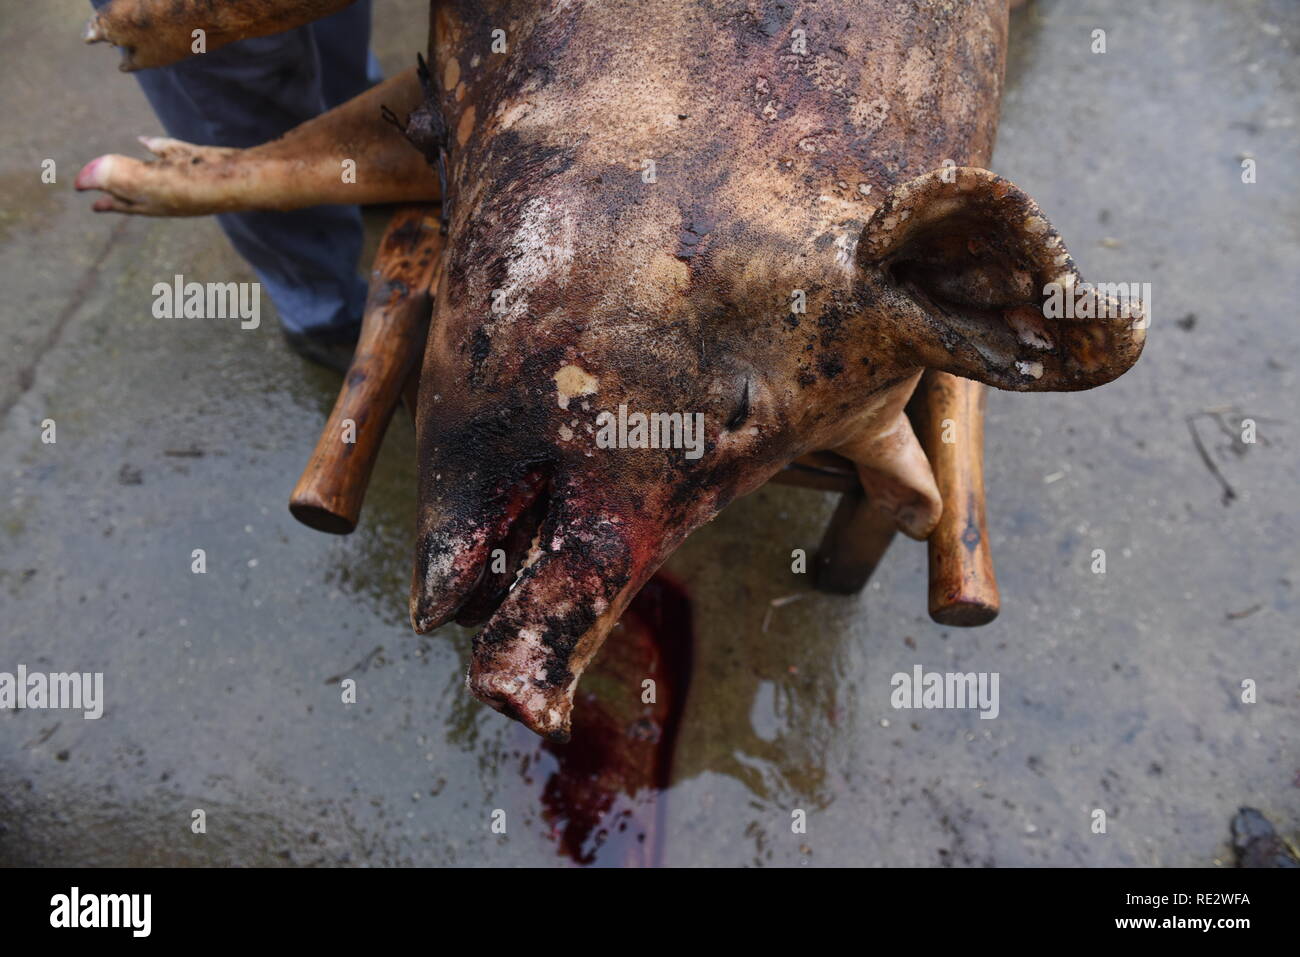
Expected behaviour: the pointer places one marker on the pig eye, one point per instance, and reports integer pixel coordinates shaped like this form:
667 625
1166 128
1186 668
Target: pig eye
742 411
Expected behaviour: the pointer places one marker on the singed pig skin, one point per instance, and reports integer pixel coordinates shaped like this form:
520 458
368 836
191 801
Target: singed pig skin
575 282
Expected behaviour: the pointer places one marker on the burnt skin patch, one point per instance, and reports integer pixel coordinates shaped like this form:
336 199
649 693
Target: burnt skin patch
830 364
691 235
560 634
480 347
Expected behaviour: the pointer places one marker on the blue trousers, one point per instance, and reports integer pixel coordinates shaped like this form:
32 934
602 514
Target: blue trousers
253 91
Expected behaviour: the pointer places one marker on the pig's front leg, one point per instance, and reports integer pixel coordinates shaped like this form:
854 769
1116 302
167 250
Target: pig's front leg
350 155
892 466
158 32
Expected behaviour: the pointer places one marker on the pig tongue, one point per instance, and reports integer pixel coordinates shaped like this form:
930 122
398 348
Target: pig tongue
505 561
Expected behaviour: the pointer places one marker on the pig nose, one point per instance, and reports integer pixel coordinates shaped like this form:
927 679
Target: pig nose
514 696
577 579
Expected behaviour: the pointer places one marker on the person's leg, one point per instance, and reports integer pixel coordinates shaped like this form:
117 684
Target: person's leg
343 42
245 94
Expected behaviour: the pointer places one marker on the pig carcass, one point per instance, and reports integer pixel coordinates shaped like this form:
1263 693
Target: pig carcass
766 217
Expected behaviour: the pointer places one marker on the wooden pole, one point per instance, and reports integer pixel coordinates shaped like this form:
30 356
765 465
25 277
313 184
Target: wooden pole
403 282
963 588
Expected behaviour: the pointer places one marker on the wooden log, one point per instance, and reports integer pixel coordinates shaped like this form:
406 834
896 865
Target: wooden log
403 281
963 587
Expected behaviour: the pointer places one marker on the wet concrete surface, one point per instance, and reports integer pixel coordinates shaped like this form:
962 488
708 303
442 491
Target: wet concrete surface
1119 692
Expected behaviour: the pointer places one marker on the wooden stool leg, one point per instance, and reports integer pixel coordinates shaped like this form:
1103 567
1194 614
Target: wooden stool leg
855 540
963 588
332 488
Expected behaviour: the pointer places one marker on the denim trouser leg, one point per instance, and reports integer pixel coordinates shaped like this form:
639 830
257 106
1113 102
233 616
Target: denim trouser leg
253 91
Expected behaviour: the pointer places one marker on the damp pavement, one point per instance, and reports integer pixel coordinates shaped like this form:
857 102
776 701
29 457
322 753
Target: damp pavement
1119 691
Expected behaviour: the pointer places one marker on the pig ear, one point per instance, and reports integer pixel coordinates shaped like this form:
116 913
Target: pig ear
981 286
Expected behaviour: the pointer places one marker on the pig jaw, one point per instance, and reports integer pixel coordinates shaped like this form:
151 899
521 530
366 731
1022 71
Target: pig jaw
548 541
573 561
529 657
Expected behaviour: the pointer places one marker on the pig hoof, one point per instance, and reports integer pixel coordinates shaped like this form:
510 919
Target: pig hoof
166 147
94 32
107 173
98 31
94 175
180 182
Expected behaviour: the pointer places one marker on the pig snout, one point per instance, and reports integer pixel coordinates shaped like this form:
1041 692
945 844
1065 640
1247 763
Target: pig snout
548 561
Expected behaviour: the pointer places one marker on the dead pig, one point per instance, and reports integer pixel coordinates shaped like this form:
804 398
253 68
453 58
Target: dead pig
773 216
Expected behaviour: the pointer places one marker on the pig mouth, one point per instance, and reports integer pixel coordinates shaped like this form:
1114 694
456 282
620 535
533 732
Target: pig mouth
546 576
514 537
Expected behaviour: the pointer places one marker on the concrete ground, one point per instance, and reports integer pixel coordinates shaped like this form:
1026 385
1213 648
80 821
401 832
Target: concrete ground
1119 692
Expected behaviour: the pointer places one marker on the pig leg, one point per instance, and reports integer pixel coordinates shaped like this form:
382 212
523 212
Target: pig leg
308 166
158 32
892 466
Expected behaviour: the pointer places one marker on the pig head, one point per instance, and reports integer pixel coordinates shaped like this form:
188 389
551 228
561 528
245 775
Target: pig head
767 217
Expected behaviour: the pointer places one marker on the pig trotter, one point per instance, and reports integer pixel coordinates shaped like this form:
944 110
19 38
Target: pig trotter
154 33
175 184
893 469
897 478
302 168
